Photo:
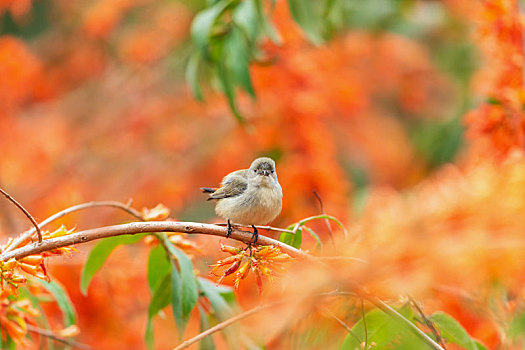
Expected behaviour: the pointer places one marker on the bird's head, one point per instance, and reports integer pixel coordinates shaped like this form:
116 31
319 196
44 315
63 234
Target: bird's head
263 169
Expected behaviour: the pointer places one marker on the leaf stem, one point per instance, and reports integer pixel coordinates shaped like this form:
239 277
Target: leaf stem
324 216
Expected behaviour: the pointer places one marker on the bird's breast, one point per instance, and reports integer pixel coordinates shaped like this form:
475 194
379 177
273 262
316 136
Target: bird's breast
257 206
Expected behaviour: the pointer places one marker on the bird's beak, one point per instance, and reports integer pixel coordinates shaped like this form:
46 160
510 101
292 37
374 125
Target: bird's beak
264 172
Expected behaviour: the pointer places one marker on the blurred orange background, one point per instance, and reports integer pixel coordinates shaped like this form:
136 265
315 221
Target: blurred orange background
408 123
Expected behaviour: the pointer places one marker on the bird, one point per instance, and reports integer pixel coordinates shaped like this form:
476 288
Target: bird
250 196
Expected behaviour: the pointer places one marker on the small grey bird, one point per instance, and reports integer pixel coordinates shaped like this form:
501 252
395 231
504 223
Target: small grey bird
249 196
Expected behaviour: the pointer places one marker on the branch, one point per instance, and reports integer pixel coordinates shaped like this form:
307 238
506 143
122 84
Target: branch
55 337
224 324
74 208
145 227
29 216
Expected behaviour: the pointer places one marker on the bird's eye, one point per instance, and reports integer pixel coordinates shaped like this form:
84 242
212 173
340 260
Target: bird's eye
273 171
254 170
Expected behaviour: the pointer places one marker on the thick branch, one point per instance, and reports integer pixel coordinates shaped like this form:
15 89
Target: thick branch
66 211
144 227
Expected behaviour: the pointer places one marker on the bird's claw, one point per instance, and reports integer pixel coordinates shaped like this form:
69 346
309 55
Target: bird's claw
255 234
228 229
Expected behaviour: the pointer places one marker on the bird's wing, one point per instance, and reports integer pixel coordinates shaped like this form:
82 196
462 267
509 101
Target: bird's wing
233 174
232 185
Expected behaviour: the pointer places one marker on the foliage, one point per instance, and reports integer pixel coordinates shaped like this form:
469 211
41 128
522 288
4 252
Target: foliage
364 102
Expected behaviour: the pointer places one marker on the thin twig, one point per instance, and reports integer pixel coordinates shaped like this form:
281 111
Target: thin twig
342 323
29 216
343 258
149 227
427 322
185 344
364 321
55 337
115 204
8 219
330 232
325 216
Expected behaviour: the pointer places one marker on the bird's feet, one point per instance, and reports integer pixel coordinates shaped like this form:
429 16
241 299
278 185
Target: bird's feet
255 234
228 229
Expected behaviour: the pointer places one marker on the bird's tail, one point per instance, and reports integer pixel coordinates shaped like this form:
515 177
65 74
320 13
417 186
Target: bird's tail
208 189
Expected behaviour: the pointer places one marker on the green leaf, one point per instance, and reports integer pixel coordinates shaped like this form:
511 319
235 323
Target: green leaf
161 296
237 59
517 325
158 266
246 17
63 301
385 331
293 239
480 346
188 279
148 335
192 75
452 331
99 254
176 299
228 88
267 26
207 342
160 299
9 344
215 295
204 21
221 299
305 15
41 319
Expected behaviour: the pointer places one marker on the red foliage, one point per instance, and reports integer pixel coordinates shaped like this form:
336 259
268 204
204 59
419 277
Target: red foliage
497 129
91 110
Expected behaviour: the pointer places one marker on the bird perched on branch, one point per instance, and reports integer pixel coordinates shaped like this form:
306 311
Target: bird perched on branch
249 196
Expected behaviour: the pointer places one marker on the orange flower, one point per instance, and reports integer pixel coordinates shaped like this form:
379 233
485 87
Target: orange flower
160 212
19 70
262 260
498 128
